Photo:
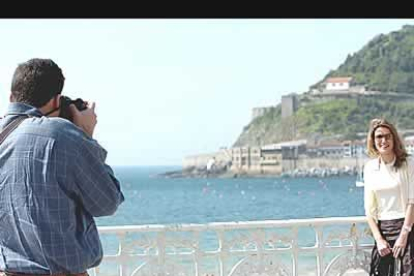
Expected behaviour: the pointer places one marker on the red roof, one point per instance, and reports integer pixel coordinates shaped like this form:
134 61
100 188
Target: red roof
337 80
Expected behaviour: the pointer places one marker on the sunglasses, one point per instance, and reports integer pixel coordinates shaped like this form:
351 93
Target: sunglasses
387 136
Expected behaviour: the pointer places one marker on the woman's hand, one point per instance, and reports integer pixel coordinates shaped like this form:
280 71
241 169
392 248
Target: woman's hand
383 247
400 243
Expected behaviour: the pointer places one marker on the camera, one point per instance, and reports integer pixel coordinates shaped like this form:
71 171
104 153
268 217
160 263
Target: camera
65 101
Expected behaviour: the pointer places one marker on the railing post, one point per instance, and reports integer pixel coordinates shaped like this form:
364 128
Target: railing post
121 255
161 253
260 248
354 238
197 253
320 248
221 248
295 250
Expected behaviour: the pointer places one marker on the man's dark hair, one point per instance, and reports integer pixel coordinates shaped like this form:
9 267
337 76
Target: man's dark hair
36 81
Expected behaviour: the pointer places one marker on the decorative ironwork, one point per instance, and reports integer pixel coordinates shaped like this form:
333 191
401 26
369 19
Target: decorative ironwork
255 248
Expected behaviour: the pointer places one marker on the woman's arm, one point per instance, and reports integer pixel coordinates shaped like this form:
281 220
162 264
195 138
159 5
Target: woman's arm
401 242
382 245
371 212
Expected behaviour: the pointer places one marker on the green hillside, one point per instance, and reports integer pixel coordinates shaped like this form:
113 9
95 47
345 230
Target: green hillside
342 118
384 64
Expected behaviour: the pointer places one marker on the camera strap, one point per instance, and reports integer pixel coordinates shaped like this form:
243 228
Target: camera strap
10 127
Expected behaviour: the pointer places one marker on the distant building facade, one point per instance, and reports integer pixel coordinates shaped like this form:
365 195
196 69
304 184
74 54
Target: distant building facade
289 105
245 159
287 156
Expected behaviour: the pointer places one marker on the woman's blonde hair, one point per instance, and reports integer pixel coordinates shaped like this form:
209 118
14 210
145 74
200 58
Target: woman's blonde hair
399 149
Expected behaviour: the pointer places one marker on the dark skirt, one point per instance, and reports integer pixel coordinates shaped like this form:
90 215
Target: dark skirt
387 265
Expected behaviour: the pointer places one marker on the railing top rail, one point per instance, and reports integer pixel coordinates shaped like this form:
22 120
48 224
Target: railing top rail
232 225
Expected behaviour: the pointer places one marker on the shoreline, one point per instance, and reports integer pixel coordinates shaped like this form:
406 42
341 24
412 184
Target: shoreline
194 172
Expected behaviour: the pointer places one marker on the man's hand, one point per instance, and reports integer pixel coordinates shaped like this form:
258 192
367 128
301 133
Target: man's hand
383 247
85 119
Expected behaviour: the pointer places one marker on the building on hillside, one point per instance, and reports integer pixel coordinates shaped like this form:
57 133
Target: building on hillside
289 105
338 84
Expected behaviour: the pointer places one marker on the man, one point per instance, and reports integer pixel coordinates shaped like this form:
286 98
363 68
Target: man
53 180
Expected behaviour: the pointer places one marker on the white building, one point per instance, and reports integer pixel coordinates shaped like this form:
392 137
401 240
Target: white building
335 84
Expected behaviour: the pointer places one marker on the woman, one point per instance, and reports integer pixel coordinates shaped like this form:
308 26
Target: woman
388 200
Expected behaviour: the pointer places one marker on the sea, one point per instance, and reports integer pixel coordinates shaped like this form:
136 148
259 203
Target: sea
150 199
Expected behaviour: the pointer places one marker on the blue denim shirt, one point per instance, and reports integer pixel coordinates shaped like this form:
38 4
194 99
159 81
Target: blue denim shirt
53 181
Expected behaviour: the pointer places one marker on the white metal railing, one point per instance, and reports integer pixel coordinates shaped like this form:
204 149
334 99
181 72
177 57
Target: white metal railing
320 246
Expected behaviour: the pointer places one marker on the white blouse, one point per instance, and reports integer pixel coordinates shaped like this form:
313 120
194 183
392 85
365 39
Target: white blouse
388 190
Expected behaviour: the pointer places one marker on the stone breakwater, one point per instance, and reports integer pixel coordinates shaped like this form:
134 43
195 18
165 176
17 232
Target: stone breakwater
223 172
196 172
320 172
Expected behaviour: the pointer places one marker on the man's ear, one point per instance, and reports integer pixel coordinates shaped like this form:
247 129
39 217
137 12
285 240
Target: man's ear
56 101
51 108
11 97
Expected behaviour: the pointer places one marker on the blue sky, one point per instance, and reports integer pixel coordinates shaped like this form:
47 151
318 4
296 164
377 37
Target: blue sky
168 88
